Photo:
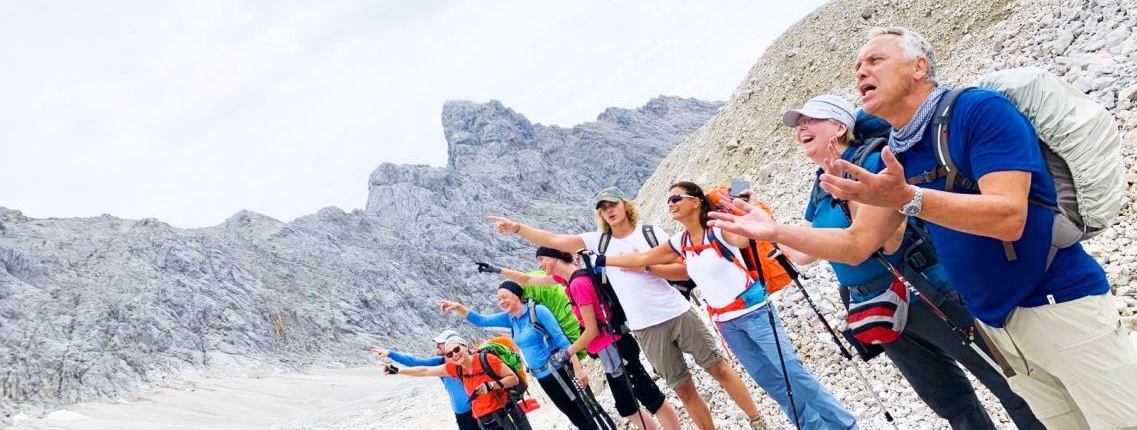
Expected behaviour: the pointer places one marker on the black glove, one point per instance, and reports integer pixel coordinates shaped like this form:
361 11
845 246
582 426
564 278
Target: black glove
392 369
488 268
559 356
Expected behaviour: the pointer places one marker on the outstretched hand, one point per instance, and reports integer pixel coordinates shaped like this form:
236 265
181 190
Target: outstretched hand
504 225
889 188
380 352
829 165
448 306
487 268
754 222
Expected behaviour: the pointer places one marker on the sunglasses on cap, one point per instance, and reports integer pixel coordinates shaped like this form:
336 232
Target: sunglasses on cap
676 198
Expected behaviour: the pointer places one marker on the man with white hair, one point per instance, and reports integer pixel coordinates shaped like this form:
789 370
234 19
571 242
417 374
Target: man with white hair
1056 324
927 351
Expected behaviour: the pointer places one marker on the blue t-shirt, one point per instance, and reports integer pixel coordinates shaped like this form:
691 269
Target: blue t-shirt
988 134
824 214
536 347
459 399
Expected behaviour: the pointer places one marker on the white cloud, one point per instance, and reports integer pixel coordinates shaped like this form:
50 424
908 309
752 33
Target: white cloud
191 111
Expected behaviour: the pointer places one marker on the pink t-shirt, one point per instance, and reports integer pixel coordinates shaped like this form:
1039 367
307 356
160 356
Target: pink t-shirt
580 293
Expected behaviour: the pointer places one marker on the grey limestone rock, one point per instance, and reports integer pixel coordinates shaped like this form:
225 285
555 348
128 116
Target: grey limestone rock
101 307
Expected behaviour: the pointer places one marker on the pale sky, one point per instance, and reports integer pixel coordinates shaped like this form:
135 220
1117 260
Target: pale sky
191 111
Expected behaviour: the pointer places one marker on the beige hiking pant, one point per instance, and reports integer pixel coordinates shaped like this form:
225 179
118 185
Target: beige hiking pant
1077 368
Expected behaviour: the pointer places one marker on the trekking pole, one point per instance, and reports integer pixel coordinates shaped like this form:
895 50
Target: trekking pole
588 404
603 311
794 274
967 336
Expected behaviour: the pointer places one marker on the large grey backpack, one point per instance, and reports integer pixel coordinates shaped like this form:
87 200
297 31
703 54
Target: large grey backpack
1079 139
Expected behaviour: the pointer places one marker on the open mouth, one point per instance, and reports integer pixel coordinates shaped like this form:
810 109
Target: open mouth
807 139
866 89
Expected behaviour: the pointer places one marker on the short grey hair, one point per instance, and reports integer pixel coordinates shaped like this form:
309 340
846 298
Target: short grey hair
914 45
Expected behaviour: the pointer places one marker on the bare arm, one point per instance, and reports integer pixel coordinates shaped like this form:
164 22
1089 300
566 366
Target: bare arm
460 309
508 377
659 255
525 278
563 242
999 211
676 271
591 329
423 371
852 245
893 243
794 255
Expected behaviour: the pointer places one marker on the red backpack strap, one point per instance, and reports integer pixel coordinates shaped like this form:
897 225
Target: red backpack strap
724 252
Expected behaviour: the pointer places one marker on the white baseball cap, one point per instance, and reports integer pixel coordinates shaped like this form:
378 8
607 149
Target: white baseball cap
446 334
823 107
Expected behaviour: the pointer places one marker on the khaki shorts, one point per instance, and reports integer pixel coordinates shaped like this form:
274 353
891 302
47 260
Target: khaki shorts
664 344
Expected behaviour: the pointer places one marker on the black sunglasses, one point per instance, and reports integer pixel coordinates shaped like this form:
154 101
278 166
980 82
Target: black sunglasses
456 350
676 198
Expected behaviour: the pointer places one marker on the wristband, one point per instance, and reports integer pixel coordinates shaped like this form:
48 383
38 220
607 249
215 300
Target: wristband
518 229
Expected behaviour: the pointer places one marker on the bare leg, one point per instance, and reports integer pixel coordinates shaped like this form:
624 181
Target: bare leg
696 407
642 420
734 386
667 417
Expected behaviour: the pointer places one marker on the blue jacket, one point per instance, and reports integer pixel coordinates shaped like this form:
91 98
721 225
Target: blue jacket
459 400
536 347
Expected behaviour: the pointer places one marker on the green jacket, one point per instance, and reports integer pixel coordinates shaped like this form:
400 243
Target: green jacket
553 297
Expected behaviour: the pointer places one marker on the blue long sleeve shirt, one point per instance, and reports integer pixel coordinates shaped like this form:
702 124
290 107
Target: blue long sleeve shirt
459 400
536 347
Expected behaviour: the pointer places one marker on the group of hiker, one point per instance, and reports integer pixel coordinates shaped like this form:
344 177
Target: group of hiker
950 249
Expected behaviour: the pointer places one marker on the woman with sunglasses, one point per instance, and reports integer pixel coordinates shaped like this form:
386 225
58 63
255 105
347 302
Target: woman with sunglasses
489 400
459 400
538 346
619 355
740 312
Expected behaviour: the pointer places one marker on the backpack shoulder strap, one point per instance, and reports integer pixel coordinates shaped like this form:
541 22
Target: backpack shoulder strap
649 235
605 237
870 146
942 121
486 368
818 194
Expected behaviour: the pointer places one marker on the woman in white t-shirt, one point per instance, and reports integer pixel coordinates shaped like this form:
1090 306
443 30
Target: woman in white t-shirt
738 307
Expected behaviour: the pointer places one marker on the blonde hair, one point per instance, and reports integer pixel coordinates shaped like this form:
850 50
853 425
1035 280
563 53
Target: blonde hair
632 212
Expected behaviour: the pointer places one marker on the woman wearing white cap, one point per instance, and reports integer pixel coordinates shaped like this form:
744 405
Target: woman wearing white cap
927 350
459 400
489 400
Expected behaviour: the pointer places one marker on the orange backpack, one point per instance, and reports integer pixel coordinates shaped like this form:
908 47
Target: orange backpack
756 261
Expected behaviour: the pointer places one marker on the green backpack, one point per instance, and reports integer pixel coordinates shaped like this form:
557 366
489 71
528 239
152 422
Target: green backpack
553 297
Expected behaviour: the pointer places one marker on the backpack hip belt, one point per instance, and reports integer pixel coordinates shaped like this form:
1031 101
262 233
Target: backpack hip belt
879 284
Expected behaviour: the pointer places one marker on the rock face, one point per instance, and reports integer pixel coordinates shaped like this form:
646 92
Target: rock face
1089 43
101 307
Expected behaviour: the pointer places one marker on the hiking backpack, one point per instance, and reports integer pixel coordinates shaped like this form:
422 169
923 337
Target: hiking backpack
617 320
1080 142
648 230
755 263
505 350
554 297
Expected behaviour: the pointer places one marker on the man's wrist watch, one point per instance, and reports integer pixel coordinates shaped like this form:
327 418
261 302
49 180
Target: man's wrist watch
913 207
